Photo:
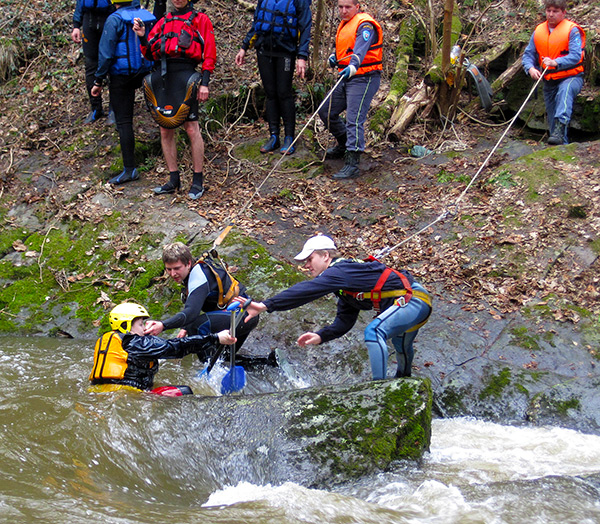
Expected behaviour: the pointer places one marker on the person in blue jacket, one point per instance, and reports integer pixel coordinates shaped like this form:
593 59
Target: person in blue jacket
280 33
88 22
402 305
120 57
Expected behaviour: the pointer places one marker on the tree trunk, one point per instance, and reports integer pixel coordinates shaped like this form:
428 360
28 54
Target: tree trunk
410 103
380 121
317 33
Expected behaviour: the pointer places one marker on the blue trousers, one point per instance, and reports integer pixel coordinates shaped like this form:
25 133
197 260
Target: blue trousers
394 323
559 96
354 96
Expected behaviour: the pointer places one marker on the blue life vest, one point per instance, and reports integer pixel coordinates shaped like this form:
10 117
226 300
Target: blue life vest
278 17
96 5
128 59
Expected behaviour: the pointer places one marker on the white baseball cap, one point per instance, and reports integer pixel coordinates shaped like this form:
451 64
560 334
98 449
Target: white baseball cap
315 243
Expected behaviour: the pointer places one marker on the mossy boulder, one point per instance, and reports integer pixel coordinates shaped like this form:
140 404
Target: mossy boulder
321 436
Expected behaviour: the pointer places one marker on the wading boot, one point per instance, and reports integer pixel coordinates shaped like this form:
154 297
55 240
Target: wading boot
558 135
288 148
270 145
127 175
350 169
338 150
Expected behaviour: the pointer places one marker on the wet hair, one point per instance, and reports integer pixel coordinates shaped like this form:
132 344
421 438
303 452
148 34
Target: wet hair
177 252
559 4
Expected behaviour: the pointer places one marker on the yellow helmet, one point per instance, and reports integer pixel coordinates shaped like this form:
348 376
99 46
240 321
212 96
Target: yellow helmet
123 315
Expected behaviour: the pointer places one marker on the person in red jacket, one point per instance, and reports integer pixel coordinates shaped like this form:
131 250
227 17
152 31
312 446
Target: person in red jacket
557 44
180 41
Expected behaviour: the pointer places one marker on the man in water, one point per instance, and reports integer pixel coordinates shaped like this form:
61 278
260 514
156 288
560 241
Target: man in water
208 288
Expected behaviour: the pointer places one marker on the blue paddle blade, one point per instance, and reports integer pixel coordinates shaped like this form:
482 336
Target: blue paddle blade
233 381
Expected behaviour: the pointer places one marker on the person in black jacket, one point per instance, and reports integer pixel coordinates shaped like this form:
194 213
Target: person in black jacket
88 23
119 54
280 33
207 290
402 304
127 357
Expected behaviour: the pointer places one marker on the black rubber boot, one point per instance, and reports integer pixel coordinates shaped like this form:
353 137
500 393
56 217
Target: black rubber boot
270 145
557 136
338 150
350 169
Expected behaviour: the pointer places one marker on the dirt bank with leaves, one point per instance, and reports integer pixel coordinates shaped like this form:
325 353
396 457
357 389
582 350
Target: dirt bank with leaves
513 267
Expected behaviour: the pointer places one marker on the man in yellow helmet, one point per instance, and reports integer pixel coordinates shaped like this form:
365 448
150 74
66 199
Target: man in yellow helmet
127 357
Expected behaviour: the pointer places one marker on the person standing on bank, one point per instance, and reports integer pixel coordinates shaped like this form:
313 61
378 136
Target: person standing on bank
358 57
119 54
180 41
402 305
88 23
557 44
280 33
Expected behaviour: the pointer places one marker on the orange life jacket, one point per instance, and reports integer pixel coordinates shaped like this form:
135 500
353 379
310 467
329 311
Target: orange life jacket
110 359
346 39
556 44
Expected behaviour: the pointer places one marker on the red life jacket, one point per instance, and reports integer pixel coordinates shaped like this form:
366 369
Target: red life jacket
556 44
346 39
177 38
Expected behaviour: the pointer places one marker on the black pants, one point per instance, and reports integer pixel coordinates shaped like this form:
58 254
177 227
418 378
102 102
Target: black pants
122 98
277 73
215 321
92 25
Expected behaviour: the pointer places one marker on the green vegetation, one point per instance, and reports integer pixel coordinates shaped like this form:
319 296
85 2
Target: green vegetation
345 432
496 384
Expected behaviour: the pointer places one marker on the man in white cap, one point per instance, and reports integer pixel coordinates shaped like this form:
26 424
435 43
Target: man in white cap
402 304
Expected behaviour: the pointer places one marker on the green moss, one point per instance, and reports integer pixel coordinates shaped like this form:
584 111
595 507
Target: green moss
349 437
564 406
522 338
496 384
451 400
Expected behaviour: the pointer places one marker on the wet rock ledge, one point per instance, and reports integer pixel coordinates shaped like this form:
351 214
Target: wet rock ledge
319 436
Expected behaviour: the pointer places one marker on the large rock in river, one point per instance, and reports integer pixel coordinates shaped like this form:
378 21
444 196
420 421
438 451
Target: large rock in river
315 437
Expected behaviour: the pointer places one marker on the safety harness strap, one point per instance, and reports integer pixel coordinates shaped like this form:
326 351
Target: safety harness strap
376 295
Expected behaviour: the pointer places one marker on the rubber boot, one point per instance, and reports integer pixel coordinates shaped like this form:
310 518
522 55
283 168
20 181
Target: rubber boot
129 174
338 150
558 134
270 145
287 148
171 186
350 169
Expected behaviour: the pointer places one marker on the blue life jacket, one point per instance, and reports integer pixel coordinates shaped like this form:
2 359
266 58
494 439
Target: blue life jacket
278 17
128 58
96 5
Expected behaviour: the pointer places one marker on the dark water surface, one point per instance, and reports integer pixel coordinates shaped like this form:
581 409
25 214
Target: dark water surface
68 456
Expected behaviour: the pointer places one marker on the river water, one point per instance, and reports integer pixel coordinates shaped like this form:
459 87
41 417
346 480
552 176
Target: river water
68 456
